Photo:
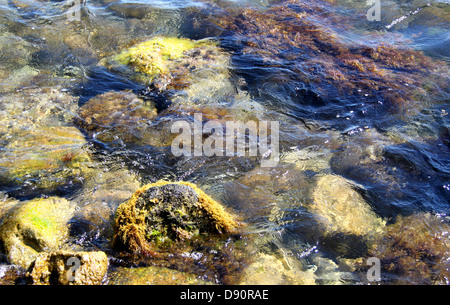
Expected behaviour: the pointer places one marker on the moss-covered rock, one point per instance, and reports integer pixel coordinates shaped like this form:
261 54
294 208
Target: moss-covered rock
34 226
188 71
48 159
153 57
69 268
168 61
341 209
161 214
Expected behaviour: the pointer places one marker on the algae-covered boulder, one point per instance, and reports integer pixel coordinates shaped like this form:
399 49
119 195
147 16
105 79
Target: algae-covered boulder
120 116
48 159
161 214
69 268
170 62
341 209
34 226
415 249
179 69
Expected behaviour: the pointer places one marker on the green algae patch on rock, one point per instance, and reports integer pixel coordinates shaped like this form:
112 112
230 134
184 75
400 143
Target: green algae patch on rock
416 249
153 56
153 275
48 159
34 226
341 209
170 63
161 214
69 268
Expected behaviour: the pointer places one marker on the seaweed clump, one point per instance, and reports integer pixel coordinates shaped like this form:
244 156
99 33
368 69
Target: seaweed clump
289 37
416 249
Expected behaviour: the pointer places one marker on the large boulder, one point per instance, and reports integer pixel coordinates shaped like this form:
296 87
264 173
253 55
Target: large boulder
163 214
34 226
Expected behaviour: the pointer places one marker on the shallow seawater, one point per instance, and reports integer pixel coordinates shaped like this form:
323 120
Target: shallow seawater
364 130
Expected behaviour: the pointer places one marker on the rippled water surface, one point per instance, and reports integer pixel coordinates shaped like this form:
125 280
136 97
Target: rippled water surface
363 109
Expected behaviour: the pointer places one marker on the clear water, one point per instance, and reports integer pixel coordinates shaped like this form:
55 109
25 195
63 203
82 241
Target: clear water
397 156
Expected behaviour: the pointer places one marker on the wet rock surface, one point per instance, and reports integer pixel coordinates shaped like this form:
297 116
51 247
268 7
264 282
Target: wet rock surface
34 226
55 268
152 275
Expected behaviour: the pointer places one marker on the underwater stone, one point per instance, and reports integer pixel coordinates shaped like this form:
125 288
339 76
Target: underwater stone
161 214
14 51
36 107
49 159
118 116
342 209
271 270
60 268
34 226
153 275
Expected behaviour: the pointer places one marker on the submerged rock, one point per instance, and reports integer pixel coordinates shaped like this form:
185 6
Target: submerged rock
69 268
342 209
163 214
115 117
48 159
35 108
270 270
152 275
14 51
34 226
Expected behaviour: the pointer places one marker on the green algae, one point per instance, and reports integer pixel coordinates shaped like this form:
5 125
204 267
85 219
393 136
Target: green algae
153 56
34 226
